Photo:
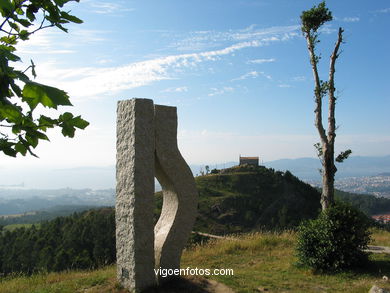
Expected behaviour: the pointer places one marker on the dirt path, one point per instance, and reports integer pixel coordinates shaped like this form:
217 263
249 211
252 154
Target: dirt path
378 249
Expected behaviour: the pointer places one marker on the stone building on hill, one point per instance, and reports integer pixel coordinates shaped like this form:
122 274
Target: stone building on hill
249 160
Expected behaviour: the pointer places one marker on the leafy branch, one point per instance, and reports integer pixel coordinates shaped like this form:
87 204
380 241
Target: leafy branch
22 130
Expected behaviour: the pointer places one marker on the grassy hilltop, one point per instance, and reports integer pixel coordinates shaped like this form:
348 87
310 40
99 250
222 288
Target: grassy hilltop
241 200
248 198
261 261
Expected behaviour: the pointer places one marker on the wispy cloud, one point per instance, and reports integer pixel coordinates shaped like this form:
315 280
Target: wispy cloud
220 91
351 19
299 78
205 40
284 85
49 41
176 89
102 7
252 74
261 61
90 82
384 10
99 81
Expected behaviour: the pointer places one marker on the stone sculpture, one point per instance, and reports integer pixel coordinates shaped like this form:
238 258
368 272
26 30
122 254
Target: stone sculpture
147 148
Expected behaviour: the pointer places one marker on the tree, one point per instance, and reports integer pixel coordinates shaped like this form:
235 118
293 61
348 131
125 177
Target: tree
311 21
21 128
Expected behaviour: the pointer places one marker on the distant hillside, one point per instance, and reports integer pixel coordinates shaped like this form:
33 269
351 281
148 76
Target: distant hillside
98 177
45 215
247 198
234 200
355 166
367 203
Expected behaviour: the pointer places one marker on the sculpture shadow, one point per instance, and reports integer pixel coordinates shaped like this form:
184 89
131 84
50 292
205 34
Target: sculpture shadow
181 285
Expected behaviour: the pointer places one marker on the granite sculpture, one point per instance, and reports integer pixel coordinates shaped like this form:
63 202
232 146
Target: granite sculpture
147 148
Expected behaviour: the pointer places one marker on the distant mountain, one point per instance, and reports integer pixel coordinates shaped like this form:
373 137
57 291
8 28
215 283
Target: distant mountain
355 166
17 201
104 177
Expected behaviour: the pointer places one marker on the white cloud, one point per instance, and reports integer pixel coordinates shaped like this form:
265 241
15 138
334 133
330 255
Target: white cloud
284 85
351 19
92 82
55 42
299 78
384 10
327 29
176 89
261 61
205 40
101 7
252 74
220 91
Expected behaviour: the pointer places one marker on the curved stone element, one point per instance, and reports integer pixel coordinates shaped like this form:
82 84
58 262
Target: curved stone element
179 192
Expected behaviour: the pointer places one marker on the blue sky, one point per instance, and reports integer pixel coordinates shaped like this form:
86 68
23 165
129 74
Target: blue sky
238 72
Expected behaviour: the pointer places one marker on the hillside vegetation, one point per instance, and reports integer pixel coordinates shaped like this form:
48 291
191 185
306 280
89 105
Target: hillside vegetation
248 198
260 261
235 200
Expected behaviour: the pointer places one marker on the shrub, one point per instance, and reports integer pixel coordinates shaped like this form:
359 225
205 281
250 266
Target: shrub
335 240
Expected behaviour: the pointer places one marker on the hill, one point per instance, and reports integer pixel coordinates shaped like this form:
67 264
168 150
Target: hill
261 262
369 204
248 198
234 200
355 166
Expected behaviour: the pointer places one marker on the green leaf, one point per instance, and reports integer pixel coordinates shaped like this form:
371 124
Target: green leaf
69 123
46 122
61 3
61 27
51 97
343 156
71 18
30 14
32 140
6 52
11 113
14 26
6 7
25 22
20 148
24 35
6 147
79 122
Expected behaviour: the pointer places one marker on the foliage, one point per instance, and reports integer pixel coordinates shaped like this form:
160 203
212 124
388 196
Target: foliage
314 18
335 240
249 198
369 204
21 128
81 241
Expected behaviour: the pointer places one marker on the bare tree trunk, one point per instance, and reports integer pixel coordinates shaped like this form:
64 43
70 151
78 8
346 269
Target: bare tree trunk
328 172
326 152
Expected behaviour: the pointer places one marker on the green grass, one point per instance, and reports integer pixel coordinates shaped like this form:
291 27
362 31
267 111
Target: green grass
13 227
263 260
267 260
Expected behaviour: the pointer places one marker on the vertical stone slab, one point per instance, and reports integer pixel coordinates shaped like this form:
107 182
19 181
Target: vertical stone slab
180 196
135 194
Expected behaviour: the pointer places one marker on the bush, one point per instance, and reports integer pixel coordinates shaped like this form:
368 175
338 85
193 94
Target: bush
335 240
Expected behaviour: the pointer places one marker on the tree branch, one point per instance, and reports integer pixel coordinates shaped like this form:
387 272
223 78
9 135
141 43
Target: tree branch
318 90
331 89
